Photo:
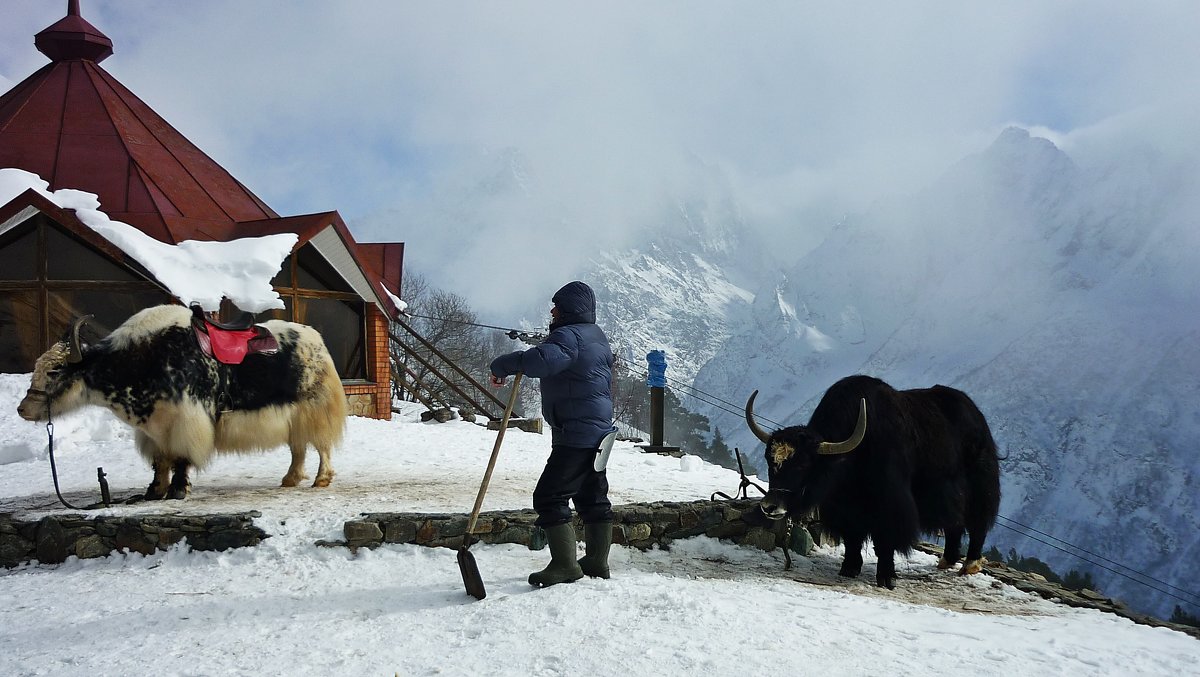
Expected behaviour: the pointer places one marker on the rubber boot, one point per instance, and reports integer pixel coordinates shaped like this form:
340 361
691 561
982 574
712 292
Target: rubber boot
563 568
597 537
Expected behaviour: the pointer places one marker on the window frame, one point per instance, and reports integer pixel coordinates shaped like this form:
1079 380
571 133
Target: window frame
293 293
43 287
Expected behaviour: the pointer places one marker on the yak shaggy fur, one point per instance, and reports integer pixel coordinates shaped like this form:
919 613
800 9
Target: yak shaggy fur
926 462
185 405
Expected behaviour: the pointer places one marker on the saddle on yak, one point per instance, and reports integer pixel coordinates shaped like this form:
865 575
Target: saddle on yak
230 342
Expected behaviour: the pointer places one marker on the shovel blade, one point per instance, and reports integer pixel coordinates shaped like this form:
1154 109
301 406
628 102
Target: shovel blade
470 573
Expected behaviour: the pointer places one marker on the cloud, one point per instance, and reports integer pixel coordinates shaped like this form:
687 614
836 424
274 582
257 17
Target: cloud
808 109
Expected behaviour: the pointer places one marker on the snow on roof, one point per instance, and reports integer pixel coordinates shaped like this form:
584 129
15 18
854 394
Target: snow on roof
240 270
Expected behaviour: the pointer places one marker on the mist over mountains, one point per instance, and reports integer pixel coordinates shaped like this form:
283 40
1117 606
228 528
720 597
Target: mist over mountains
1056 289
1058 294
1060 297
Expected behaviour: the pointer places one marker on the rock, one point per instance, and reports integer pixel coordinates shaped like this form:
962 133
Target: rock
51 541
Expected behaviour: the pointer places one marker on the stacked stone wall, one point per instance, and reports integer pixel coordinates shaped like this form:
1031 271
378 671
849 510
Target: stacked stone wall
639 525
53 539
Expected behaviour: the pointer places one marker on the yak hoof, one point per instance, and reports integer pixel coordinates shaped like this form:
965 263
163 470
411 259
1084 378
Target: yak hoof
944 563
971 567
289 481
322 481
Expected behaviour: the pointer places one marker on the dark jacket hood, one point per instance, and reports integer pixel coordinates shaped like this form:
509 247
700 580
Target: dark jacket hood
576 304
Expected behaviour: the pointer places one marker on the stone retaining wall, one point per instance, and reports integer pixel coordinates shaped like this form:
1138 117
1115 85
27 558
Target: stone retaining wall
640 525
53 539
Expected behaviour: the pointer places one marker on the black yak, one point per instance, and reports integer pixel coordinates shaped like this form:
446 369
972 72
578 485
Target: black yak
184 405
888 465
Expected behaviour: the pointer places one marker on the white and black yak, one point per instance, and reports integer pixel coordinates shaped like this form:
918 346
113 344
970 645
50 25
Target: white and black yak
925 462
185 405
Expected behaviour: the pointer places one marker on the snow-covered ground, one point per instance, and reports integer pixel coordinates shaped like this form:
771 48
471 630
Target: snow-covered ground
290 607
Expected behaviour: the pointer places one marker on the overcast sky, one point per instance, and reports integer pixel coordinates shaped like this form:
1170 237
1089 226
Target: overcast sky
804 110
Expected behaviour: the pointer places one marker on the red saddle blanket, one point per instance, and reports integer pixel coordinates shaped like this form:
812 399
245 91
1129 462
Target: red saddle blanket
231 346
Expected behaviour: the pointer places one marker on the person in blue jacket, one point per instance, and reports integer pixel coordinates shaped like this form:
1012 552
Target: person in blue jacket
574 364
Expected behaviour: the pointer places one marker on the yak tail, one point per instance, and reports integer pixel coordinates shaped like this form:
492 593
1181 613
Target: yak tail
323 415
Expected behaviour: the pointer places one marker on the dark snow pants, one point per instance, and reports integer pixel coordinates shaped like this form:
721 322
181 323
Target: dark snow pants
569 475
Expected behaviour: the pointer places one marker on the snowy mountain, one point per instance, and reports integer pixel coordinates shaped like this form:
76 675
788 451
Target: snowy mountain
682 289
680 283
1059 296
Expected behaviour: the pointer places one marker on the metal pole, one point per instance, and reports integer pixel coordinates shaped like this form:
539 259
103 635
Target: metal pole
656 416
656 379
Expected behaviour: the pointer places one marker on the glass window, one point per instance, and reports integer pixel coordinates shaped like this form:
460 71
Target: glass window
341 324
20 323
18 253
108 310
69 259
284 313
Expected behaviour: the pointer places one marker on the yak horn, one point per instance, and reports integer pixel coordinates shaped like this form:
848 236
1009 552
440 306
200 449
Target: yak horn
758 432
860 431
76 355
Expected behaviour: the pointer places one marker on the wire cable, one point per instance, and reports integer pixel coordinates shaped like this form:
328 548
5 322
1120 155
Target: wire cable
1106 568
712 400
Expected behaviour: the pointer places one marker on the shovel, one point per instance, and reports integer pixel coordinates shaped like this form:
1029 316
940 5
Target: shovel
466 561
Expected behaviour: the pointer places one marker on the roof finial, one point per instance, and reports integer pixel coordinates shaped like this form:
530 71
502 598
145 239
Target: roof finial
72 37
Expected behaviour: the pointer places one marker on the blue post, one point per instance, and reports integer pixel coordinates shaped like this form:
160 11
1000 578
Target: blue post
656 378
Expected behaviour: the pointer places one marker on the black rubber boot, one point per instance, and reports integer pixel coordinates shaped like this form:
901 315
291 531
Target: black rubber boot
563 568
597 537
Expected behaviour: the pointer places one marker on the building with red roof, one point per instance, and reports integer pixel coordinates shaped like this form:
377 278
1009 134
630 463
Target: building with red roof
74 125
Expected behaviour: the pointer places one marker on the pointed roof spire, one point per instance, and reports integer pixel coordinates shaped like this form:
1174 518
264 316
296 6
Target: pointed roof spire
73 38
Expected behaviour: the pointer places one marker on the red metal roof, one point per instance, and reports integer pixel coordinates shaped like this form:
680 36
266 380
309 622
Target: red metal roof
73 38
75 126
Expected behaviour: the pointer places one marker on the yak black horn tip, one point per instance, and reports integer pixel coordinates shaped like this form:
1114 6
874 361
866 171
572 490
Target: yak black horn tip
750 422
76 349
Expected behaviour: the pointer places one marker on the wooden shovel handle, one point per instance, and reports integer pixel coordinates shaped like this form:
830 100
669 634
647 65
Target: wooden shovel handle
487 477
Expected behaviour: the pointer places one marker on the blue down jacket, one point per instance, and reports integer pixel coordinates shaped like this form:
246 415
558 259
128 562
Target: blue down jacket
574 364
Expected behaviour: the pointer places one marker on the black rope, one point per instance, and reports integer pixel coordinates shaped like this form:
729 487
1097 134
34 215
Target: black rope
53 468
743 489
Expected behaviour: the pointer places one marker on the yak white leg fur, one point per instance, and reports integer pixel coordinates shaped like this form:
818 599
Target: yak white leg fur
971 566
325 469
295 471
320 423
